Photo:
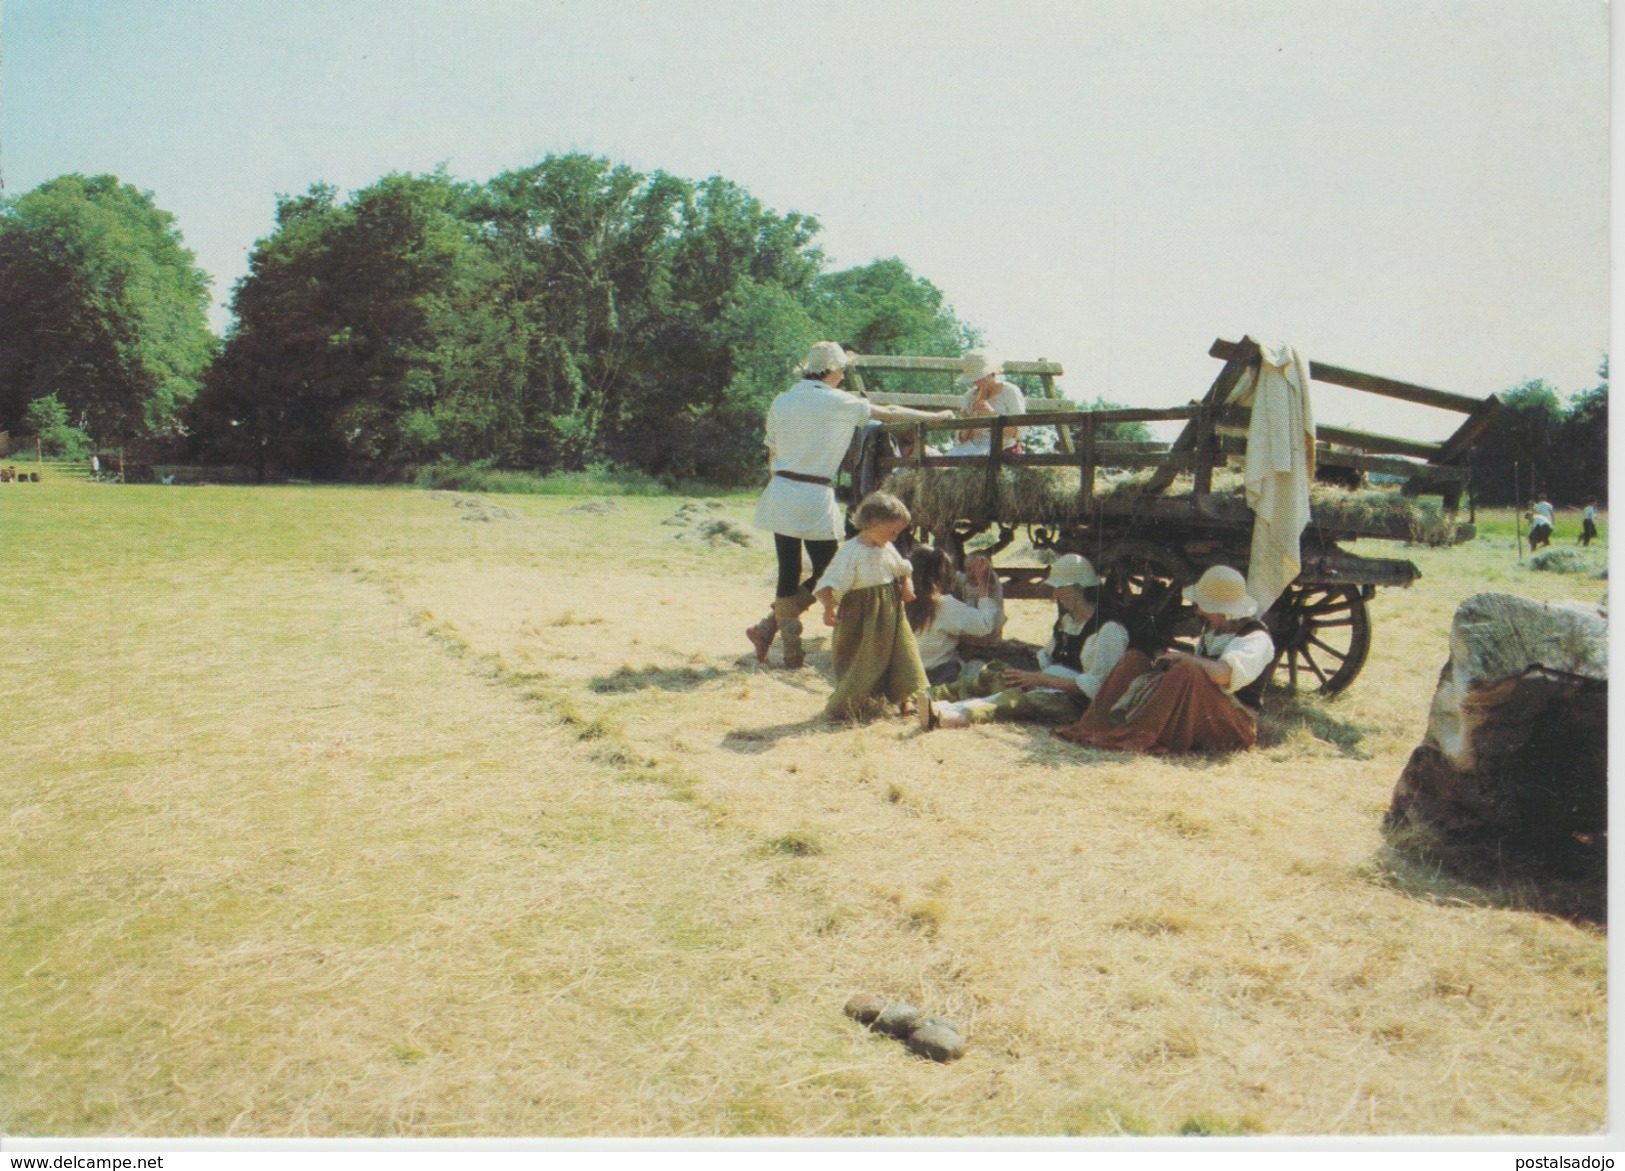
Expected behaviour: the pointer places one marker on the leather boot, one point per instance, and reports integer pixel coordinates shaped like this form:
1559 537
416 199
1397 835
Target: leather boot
788 612
762 634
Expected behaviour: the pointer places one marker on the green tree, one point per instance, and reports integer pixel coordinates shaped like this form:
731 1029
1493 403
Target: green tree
1518 445
1583 440
102 305
351 330
48 418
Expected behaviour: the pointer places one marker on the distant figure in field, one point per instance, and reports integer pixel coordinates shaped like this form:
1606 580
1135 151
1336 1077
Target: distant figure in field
1588 523
809 428
1181 702
876 657
989 394
1540 522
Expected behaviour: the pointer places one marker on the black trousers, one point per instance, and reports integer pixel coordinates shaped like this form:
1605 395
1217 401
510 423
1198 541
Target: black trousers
789 551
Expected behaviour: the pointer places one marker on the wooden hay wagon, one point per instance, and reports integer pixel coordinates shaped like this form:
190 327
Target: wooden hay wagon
1152 516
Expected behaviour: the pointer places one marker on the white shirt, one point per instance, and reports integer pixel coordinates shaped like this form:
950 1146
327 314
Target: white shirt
1101 651
1543 510
1006 400
858 565
809 428
1247 654
1590 512
939 641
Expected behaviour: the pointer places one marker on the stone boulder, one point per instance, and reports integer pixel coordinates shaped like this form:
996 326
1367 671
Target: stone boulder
1515 758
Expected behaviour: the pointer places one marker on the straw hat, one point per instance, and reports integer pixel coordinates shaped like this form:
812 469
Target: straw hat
977 365
1222 591
824 357
1072 570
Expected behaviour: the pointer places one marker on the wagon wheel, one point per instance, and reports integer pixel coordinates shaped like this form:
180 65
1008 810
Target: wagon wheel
1322 636
1145 578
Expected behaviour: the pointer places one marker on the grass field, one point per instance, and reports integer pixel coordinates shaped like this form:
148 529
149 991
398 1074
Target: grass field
383 812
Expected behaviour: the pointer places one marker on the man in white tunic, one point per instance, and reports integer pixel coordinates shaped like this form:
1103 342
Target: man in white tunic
989 394
809 428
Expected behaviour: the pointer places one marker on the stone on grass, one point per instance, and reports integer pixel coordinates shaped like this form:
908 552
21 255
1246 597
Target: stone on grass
898 1020
865 1007
939 1041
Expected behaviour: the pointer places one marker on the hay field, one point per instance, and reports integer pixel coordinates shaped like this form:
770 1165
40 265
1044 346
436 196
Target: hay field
345 812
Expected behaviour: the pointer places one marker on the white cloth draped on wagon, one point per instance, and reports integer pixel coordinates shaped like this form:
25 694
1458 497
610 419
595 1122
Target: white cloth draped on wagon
1280 467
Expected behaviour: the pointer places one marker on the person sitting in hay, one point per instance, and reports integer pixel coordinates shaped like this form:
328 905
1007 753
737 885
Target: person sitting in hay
1183 702
989 394
1088 640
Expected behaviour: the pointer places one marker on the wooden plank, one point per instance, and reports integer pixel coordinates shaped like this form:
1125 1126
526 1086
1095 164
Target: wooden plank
856 382
1455 447
1327 456
1372 383
1086 466
887 398
1216 395
1235 421
990 487
1183 462
946 365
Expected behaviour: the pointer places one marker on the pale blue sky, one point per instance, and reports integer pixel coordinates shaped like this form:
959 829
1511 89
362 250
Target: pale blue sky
1413 188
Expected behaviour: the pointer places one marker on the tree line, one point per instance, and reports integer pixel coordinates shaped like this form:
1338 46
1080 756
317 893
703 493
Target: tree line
572 313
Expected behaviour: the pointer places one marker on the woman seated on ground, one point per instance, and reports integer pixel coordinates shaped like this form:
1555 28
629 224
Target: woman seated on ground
939 619
1181 702
1084 646
989 395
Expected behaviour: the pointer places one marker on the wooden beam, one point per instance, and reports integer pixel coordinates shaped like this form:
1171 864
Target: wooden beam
1235 421
1372 383
1453 448
946 365
1217 394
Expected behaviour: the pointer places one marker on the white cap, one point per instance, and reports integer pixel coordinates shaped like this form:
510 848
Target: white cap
824 357
1071 570
1222 591
977 365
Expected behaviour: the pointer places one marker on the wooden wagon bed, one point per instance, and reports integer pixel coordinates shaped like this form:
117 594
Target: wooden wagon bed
1152 516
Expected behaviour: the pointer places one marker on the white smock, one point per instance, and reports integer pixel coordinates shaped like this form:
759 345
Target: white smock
858 565
1280 466
809 428
1247 655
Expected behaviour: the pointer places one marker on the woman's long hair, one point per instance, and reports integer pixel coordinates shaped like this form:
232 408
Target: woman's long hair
933 577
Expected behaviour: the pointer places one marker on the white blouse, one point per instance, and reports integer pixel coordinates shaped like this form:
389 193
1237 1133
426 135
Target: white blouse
1101 651
939 641
1246 654
1006 400
858 565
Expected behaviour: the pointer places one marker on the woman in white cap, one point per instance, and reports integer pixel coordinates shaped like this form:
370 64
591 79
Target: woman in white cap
1084 647
1182 702
989 394
809 428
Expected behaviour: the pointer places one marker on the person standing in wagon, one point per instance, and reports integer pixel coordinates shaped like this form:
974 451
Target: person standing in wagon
809 428
989 394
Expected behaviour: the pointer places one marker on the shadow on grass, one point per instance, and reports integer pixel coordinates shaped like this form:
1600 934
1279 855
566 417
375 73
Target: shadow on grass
625 679
1286 713
750 741
1417 864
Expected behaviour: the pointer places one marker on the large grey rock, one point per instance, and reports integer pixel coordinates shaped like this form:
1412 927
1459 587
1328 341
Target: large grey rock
1516 748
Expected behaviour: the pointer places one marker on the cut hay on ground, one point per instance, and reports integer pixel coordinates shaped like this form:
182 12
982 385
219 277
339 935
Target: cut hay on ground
939 496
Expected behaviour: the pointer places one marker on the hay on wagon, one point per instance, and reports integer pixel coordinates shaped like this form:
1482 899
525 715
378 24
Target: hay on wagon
937 497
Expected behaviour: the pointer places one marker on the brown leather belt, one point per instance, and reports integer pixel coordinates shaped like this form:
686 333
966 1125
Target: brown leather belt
821 481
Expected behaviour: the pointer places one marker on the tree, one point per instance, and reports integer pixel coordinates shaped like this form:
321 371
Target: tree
101 305
1583 440
349 330
1518 443
48 418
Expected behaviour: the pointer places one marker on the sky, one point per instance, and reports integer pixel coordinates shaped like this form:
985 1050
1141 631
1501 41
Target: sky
1414 188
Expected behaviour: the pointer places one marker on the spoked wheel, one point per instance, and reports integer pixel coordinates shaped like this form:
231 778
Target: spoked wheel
1149 580
1322 636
